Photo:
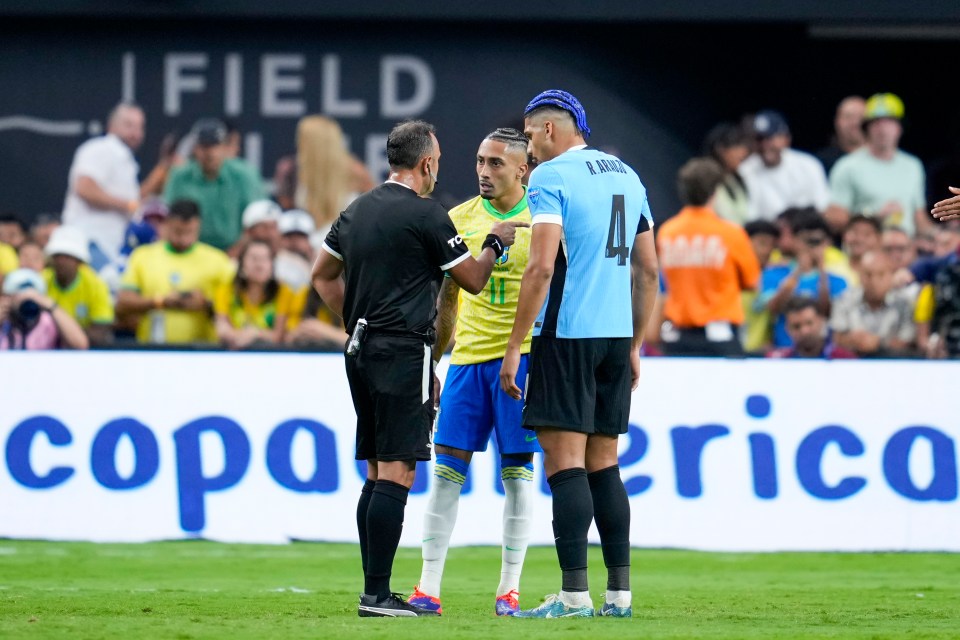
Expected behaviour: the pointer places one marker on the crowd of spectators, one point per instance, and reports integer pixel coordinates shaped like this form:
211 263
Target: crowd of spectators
788 254
198 254
777 251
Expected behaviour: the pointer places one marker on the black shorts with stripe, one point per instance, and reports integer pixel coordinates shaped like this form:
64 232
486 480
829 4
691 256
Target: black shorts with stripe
581 384
391 381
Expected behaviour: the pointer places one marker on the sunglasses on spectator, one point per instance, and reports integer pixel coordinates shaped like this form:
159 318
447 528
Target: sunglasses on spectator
814 241
890 248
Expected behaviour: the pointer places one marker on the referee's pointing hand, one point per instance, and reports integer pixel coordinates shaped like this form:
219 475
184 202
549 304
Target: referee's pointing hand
507 231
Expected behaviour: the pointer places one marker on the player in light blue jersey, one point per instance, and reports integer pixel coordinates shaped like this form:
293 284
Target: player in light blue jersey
588 291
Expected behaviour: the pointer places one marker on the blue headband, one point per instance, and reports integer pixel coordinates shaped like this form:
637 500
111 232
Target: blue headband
566 101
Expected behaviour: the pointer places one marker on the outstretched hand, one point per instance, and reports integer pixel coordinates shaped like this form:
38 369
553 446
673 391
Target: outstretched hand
948 209
507 231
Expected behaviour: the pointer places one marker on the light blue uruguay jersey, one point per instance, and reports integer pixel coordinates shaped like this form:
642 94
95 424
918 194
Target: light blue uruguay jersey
601 205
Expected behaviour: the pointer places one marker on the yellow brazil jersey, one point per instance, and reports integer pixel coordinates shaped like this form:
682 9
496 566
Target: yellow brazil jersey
87 298
157 270
8 259
243 313
305 303
485 320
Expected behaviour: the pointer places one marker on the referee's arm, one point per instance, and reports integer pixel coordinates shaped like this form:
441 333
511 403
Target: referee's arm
327 281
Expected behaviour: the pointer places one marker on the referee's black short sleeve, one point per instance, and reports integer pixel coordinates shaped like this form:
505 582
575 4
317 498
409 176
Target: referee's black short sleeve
445 246
332 242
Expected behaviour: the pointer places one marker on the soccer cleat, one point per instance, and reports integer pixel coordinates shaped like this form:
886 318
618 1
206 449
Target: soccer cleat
508 604
553 607
611 610
393 606
422 600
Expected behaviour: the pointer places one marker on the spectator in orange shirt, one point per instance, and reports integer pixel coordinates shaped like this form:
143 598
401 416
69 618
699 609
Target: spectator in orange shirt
707 262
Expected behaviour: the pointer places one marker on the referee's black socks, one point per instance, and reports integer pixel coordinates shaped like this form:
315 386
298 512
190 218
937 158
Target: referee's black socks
362 506
384 525
572 513
611 509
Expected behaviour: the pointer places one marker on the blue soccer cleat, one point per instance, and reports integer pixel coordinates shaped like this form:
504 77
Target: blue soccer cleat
424 601
554 607
621 606
508 604
611 610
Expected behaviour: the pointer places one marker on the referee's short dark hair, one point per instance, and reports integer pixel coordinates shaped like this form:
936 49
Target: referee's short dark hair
408 142
184 210
698 180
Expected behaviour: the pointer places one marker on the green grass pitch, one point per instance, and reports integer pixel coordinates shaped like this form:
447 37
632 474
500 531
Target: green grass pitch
199 590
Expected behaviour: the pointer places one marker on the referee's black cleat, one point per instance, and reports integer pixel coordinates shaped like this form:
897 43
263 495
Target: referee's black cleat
393 606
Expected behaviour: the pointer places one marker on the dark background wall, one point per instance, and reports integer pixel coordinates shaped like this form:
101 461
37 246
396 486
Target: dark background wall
651 88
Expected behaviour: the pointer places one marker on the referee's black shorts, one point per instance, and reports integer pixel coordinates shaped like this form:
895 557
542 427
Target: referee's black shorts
579 385
391 381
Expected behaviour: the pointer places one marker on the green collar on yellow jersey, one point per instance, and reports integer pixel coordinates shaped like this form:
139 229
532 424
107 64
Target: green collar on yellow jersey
170 249
520 206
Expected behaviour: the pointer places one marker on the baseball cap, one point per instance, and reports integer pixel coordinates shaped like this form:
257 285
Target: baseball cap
210 131
20 279
296 221
154 207
69 241
769 123
883 105
261 211
564 100
137 235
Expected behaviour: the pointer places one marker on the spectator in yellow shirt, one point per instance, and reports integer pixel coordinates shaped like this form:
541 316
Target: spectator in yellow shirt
8 260
73 285
253 309
171 284
312 325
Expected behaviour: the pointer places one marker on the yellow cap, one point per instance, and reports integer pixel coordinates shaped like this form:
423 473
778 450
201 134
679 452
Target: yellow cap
883 105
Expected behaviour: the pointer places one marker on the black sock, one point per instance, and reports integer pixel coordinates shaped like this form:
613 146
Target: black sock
362 505
611 509
572 513
384 525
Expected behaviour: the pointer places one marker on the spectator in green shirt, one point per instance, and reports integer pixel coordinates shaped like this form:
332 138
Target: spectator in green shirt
221 186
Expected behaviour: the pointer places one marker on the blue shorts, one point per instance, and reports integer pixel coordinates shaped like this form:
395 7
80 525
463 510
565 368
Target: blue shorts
472 405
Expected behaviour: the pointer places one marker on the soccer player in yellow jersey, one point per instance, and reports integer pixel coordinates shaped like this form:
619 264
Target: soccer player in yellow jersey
171 283
472 405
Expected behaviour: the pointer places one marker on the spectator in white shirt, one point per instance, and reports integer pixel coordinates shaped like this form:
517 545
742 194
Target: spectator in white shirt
102 190
778 177
294 261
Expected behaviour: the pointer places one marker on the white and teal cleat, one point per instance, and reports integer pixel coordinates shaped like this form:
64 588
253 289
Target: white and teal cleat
554 607
611 610
616 605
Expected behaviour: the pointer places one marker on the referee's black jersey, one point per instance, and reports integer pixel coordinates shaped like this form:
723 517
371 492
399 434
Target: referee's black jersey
395 247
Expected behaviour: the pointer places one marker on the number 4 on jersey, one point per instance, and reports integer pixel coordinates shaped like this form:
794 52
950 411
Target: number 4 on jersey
617 237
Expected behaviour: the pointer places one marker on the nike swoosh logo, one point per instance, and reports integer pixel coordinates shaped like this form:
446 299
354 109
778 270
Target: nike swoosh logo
509 548
469 233
530 438
428 539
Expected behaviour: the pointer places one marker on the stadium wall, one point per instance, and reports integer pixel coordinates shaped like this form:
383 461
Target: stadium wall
722 455
652 91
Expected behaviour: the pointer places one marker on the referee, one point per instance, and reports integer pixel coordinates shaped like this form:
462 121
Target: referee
381 269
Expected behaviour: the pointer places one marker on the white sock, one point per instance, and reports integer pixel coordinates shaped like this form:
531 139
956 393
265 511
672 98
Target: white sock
516 526
576 598
438 524
620 599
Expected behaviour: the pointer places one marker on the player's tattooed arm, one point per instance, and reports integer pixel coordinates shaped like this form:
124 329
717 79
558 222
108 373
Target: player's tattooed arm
448 304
